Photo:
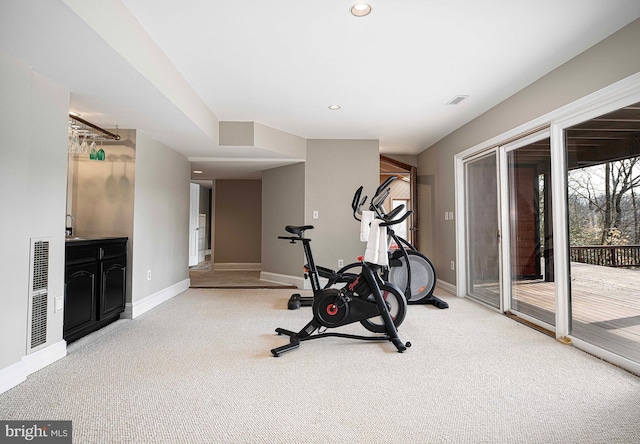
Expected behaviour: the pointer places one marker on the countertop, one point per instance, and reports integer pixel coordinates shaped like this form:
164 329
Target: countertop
92 239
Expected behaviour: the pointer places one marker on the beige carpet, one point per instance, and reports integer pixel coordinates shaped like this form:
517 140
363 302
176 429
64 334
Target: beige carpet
198 369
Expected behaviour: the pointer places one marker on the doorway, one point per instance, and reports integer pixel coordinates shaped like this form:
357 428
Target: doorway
403 191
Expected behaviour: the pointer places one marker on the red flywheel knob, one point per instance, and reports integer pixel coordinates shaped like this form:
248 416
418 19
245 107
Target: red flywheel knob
332 309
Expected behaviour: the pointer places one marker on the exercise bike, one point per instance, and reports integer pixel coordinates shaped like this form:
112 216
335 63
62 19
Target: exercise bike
408 269
333 277
379 306
343 275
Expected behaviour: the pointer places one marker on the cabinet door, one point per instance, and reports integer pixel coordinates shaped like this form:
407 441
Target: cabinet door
114 287
80 296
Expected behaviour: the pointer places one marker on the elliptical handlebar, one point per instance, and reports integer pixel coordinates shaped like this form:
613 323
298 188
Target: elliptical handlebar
397 221
378 199
357 204
384 185
381 194
393 213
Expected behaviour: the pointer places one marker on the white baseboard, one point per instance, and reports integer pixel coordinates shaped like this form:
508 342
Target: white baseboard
48 355
228 266
134 309
12 376
283 279
449 288
17 373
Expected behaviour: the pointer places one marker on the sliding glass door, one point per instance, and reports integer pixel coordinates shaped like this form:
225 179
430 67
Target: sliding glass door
582 286
603 195
508 223
483 229
530 289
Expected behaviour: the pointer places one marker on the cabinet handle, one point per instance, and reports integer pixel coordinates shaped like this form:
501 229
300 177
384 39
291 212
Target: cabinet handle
101 253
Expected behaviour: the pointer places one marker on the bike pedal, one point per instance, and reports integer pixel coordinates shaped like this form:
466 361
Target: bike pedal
294 304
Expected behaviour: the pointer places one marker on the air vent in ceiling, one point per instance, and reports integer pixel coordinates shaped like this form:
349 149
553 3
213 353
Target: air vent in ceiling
456 100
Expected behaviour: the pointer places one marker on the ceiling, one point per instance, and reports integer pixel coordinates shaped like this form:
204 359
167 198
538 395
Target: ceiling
175 69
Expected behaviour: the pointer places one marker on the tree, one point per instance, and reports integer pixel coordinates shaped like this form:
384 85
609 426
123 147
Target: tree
602 202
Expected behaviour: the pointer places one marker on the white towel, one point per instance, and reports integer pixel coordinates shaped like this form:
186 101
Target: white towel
376 252
367 217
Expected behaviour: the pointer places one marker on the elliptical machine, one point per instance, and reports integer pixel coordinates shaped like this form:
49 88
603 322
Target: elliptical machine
379 306
409 269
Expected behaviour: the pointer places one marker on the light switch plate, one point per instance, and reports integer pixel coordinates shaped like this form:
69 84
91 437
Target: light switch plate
58 304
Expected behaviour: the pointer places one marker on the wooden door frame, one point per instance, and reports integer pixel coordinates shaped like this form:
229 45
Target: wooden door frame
413 185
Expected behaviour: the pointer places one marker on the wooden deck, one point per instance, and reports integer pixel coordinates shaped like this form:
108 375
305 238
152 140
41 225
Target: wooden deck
605 305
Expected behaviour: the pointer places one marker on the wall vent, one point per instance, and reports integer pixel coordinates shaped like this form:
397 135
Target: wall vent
40 266
38 292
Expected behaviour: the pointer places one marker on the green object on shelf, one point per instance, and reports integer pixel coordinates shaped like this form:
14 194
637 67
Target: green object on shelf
100 154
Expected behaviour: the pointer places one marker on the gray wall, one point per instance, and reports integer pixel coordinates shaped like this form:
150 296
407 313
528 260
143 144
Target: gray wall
282 204
238 213
161 218
334 170
326 182
611 60
33 174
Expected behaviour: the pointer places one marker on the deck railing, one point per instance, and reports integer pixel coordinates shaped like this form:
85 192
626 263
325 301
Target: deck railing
607 255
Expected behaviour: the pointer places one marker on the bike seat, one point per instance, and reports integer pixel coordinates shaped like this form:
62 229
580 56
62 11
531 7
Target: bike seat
298 230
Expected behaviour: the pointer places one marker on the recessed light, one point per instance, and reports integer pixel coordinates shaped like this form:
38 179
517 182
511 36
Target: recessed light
360 9
197 172
334 107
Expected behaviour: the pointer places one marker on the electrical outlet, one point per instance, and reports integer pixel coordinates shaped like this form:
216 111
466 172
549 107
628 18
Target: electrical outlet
453 265
315 214
340 263
148 275
450 215
446 215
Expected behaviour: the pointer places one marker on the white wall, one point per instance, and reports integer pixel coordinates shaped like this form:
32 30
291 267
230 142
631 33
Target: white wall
161 222
33 172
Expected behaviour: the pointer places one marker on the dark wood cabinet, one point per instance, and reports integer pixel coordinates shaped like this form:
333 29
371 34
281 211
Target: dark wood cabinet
95 284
